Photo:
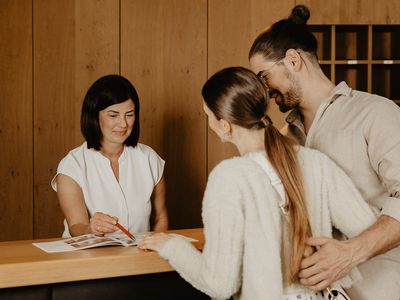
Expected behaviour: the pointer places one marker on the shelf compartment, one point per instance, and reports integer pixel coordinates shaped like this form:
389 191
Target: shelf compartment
323 34
385 81
386 42
351 42
355 76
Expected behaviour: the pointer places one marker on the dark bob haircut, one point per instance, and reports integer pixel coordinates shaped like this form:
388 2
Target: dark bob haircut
104 92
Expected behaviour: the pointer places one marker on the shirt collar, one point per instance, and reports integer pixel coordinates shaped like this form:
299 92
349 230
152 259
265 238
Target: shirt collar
294 116
123 155
341 89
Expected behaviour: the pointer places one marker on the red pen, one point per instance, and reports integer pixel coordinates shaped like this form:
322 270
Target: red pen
125 231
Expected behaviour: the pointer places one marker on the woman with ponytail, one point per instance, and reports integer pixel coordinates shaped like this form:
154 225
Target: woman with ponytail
260 208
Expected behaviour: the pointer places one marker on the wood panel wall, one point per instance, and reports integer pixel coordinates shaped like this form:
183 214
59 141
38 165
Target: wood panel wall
51 51
166 60
75 42
232 28
353 11
16 177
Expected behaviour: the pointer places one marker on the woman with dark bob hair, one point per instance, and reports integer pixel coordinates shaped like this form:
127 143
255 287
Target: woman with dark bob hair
261 207
111 177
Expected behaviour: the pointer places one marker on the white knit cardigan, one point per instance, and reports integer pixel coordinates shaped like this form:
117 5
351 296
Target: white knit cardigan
242 226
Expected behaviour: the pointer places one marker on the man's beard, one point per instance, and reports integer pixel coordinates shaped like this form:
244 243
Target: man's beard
290 99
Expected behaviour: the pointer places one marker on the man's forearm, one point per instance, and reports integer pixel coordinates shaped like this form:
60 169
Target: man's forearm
381 237
335 259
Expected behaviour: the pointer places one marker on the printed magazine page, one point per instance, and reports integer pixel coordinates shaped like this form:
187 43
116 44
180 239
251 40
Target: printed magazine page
86 241
91 241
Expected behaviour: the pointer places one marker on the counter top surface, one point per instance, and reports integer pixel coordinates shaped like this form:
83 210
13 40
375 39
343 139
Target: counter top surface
22 264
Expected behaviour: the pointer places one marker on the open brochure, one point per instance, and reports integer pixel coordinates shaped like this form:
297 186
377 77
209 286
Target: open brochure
91 241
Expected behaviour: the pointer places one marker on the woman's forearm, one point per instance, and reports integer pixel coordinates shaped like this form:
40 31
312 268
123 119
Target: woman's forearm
79 229
161 222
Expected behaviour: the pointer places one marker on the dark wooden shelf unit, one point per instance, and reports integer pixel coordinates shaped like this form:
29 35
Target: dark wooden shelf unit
367 57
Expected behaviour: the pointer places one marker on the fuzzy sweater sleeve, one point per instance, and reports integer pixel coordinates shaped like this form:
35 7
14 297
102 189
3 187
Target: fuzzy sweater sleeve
217 270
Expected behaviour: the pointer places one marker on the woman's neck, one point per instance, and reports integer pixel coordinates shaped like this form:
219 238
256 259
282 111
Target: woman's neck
112 151
248 140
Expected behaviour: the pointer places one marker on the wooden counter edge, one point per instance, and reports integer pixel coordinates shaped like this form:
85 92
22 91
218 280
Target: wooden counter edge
105 266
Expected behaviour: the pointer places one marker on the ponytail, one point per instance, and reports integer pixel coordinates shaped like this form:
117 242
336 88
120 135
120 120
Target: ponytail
282 155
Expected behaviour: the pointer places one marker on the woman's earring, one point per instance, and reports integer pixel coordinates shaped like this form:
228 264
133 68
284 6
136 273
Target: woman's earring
227 135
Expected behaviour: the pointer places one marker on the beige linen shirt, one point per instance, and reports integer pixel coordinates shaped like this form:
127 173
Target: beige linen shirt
361 133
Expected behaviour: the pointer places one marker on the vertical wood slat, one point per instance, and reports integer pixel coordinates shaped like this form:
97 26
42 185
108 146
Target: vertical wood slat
16 178
353 12
75 42
232 27
163 53
333 51
369 57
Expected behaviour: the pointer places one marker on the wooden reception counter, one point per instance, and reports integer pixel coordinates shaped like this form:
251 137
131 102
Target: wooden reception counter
22 264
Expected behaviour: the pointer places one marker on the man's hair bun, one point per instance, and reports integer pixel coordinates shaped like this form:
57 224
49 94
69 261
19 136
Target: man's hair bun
300 14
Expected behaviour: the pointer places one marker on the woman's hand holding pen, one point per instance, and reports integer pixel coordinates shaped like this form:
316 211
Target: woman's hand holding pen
101 223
